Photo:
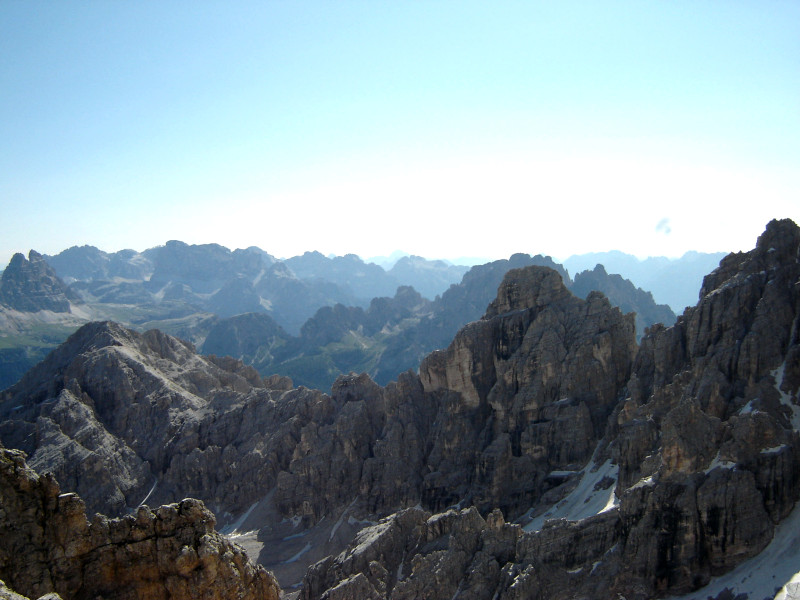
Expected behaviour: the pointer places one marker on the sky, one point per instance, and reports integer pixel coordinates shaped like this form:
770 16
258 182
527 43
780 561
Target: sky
445 129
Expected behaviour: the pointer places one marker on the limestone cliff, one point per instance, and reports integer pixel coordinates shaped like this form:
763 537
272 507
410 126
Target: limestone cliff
47 545
32 285
699 463
621 470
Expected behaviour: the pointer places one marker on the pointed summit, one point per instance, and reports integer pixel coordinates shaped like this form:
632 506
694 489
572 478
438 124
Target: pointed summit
32 285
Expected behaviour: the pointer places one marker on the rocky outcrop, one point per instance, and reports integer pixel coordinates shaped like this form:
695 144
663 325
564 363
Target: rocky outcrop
47 545
711 423
639 472
474 428
32 285
144 415
527 391
128 407
622 293
706 442
458 305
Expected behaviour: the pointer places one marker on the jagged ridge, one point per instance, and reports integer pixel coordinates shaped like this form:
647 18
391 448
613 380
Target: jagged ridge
48 545
700 422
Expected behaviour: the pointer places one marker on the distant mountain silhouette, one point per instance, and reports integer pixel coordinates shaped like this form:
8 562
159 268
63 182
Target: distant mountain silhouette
394 334
621 292
671 281
328 321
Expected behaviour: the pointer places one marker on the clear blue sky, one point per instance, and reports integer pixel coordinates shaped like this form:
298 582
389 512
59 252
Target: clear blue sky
444 129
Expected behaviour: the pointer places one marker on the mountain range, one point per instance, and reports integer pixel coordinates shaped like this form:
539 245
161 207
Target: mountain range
543 453
312 313
673 282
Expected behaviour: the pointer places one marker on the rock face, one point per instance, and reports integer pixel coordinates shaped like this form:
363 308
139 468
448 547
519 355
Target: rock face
621 292
32 285
621 470
458 305
527 390
48 545
394 334
707 455
137 409
143 414
713 408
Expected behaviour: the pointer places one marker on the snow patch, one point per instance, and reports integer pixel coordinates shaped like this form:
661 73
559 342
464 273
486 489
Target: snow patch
786 399
150 493
747 408
644 482
790 591
237 524
586 500
353 521
773 450
561 474
341 520
297 556
718 463
777 566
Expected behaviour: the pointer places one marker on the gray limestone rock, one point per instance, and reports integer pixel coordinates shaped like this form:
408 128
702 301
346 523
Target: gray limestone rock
32 285
47 546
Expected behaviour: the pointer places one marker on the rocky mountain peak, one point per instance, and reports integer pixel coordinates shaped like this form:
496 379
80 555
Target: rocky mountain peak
532 287
621 292
32 285
48 546
542 454
776 248
696 471
782 235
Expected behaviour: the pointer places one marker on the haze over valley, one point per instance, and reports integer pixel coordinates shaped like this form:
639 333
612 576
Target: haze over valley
309 317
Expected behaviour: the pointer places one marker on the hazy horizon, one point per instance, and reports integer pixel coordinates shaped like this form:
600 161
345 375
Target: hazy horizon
391 257
453 128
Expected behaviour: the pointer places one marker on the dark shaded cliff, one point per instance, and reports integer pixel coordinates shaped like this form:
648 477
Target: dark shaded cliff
641 471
